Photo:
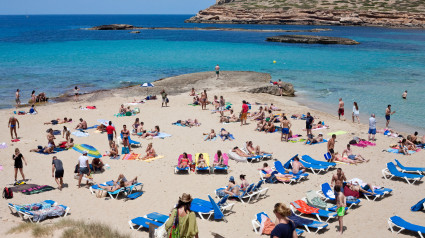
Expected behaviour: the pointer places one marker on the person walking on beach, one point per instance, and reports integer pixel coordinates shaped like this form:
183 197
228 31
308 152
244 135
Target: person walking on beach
83 161
356 112
309 125
17 98
164 98
76 90
204 98
217 71
285 228
12 125
372 127
110 130
57 172
388 114
331 146
183 219
18 157
244 112
286 126
222 106
341 109
341 204
404 95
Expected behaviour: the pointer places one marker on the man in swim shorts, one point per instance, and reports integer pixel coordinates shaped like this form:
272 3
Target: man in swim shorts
286 125
341 204
12 125
217 71
372 127
341 109
404 95
17 98
331 146
352 156
388 114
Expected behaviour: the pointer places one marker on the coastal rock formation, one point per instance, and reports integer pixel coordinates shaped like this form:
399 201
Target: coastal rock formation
288 90
135 32
306 39
322 12
113 27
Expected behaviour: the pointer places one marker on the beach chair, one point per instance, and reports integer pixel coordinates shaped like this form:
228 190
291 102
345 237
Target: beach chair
259 189
154 218
253 158
307 223
317 201
315 168
50 212
418 206
210 207
256 224
310 160
15 208
396 221
234 156
225 162
298 177
247 194
302 207
126 190
391 171
328 194
187 168
264 176
419 170
130 141
207 161
379 193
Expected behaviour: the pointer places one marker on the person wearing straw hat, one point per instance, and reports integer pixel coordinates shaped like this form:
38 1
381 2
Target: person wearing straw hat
183 219
84 167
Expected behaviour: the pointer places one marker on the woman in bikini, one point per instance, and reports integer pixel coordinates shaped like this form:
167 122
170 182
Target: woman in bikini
216 103
66 133
113 188
269 172
136 124
127 183
150 152
125 134
210 135
114 150
339 158
254 150
153 132
244 183
201 161
219 159
184 162
232 189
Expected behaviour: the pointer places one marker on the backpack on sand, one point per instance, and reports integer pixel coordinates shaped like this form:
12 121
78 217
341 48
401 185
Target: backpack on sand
7 193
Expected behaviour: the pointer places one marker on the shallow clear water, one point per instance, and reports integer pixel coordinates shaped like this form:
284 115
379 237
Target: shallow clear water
52 54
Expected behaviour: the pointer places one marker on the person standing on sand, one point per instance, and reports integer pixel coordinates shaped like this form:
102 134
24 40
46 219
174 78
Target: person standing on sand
286 126
244 112
222 106
404 95
341 109
284 226
388 114
331 146
372 127
164 98
183 219
204 98
12 125
279 84
76 90
341 204
356 112
110 130
217 71
83 161
18 157
309 125
17 98
57 172
33 97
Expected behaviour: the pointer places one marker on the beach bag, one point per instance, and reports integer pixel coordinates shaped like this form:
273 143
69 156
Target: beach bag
352 142
166 100
174 230
125 150
7 193
100 193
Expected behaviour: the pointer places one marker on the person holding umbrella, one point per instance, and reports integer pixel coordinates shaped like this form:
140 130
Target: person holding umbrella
83 161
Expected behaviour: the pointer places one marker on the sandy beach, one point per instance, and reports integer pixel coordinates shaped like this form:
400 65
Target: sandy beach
162 187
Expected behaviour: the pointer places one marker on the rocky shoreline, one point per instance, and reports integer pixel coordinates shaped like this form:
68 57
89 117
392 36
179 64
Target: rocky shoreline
306 39
221 14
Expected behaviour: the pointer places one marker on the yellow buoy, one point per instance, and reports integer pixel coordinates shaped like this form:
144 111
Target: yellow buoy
274 61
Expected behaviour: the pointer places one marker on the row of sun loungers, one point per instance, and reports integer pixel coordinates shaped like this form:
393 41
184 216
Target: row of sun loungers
208 168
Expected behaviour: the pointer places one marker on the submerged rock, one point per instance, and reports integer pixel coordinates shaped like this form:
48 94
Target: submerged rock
113 27
306 39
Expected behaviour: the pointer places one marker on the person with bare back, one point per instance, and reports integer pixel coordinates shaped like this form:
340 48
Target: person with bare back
12 125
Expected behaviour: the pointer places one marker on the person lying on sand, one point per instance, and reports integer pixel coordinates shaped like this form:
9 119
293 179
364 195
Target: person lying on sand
318 126
339 158
82 125
255 150
269 171
225 134
314 140
58 121
184 162
201 161
41 149
113 188
190 122
274 108
210 135
297 166
240 152
150 152
152 133
101 128
352 156
127 183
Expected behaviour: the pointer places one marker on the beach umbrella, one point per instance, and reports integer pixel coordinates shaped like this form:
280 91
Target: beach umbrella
91 151
147 85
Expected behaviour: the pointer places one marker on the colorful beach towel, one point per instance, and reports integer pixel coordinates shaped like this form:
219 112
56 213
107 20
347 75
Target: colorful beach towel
162 135
324 140
37 189
395 151
42 214
337 133
364 144
213 139
131 156
155 158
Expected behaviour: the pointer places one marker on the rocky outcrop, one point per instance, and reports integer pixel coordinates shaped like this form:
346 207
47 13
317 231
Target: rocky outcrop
288 90
306 39
223 14
113 27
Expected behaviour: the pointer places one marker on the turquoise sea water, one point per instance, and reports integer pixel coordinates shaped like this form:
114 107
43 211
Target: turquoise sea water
53 54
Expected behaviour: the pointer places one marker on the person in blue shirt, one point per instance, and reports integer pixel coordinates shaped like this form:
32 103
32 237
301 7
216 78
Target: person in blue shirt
285 228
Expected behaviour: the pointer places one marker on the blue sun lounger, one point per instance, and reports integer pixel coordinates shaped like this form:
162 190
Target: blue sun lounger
247 194
419 170
279 168
256 223
295 207
404 225
328 194
418 206
307 223
315 168
392 171
210 207
310 160
153 218
127 190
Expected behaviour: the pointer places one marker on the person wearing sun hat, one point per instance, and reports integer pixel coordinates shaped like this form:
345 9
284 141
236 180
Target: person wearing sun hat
183 219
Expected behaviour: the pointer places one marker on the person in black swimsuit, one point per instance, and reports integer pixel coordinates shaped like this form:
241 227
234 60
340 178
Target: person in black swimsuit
125 134
18 157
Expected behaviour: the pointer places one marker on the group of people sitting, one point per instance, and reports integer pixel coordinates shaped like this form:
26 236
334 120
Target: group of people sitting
126 111
141 132
230 118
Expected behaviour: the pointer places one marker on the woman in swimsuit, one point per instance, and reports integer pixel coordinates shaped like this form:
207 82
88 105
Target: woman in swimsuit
153 132
125 134
339 158
244 184
269 171
66 133
127 183
33 97
219 159
201 161
240 152
210 136
150 152
18 157
113 188
184 162
216 103
192 93
232 189
114 150
254 150
136 125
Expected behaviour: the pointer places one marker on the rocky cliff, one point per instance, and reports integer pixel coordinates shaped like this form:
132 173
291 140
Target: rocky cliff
386 13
